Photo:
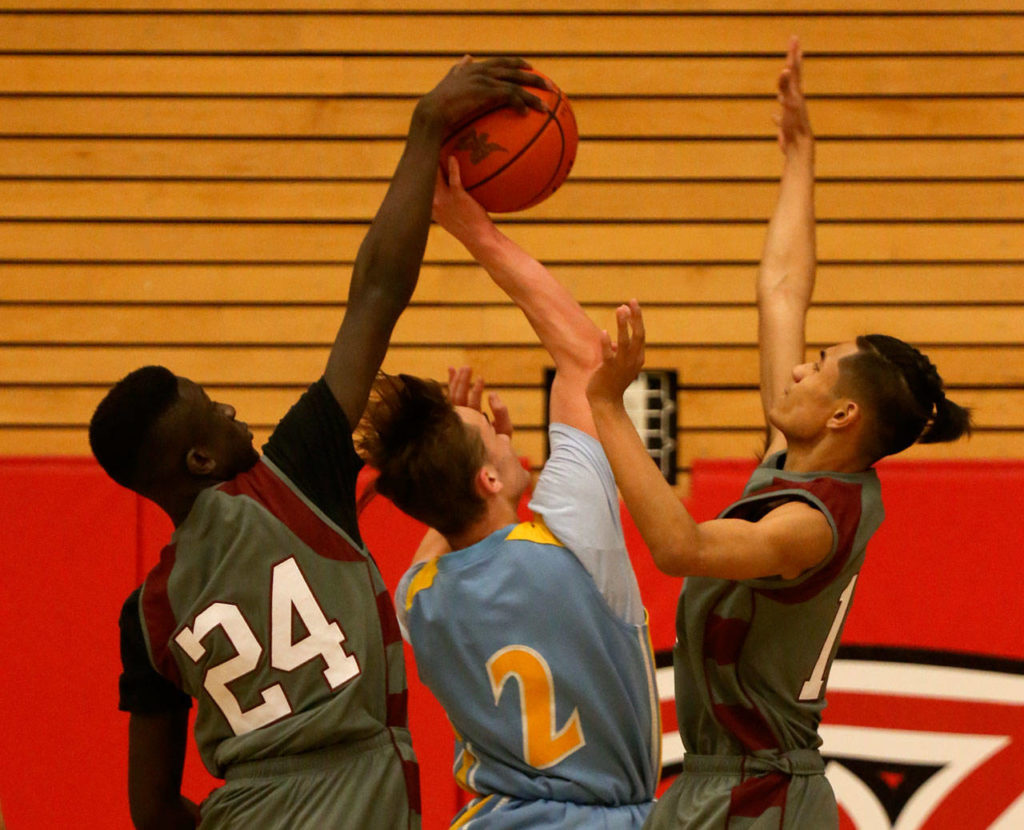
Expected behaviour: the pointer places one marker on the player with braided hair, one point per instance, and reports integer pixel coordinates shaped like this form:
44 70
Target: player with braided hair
769 582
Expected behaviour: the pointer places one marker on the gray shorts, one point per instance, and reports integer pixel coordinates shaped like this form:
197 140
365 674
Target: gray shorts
788 791
353 786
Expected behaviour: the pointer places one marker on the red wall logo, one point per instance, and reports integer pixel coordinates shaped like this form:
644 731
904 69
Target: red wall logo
913 740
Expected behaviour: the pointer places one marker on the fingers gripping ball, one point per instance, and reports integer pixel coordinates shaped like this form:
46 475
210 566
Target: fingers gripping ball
509 160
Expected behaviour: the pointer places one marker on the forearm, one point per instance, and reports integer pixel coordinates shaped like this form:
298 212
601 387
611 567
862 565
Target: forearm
785 281
386 269
789 255
670 532
156 759
566 332
387 265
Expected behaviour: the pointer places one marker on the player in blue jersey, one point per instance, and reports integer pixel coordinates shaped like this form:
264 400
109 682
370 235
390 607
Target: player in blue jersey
305 722
531 634
769 583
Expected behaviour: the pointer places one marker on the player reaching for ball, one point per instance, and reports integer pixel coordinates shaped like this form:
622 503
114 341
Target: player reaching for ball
531 634
769 583
266 607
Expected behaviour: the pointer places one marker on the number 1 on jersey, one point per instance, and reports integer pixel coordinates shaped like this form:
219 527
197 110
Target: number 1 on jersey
811 689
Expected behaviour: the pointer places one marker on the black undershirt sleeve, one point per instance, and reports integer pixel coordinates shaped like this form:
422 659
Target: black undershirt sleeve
142 688
312 445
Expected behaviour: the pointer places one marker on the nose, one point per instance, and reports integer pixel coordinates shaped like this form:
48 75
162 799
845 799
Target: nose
227 409
800 371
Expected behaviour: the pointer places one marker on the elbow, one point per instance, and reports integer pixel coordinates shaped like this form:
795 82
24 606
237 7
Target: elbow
682 554
583 359
380 297
671 559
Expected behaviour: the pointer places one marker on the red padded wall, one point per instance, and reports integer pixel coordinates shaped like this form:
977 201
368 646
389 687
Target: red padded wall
943 573
67 542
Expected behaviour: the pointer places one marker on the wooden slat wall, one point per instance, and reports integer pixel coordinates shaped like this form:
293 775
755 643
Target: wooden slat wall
189 183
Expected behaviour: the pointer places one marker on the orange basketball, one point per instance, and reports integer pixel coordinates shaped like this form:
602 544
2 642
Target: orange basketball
510 161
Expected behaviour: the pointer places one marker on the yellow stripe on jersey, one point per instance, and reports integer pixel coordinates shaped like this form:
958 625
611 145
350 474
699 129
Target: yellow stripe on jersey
535 531
423 579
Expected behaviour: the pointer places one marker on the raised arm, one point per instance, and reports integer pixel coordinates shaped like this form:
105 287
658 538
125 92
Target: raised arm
787 541
570 337
387 265
785 279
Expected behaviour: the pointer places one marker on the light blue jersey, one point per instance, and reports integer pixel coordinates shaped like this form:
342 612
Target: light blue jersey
547 682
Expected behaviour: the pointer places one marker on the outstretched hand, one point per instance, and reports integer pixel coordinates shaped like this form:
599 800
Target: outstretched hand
622 360
793 121
471 86
455 210
464 390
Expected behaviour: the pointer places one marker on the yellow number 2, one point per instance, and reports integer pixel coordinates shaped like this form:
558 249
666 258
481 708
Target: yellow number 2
543 745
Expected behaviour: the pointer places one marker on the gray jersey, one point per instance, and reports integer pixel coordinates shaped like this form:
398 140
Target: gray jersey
751 665
268 610
752 657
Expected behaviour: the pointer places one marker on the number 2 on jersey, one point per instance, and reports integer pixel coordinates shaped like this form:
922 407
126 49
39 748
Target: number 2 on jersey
288 591
543 744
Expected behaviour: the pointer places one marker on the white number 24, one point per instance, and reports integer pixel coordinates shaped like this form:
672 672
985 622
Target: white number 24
288 590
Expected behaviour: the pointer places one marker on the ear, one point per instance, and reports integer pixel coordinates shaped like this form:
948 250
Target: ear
487 482
846 415
200 463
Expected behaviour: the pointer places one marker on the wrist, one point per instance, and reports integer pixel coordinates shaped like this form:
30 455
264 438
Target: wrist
482 239
603 406
800 147
428 118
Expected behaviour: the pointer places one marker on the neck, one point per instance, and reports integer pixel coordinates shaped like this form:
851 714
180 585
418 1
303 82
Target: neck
823 455
177 504
499 514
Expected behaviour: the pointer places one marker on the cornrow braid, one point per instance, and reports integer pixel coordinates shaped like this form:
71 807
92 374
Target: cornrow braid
905 392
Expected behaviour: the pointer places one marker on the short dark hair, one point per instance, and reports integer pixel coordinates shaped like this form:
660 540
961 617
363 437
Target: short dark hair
124 420
426 457
904 394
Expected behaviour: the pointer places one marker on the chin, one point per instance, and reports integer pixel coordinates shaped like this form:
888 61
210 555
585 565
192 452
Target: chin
245 463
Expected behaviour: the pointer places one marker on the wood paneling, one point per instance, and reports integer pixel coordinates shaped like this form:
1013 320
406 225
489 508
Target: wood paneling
625 117
188 184
621 160
578 200
601 76
504 33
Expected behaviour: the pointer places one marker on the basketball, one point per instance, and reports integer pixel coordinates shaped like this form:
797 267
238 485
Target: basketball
510 161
